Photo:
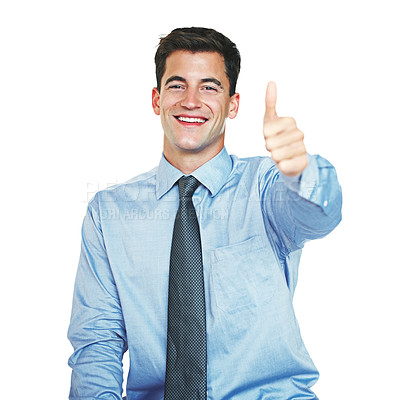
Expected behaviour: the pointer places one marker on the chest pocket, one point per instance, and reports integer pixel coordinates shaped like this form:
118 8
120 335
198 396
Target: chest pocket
244 275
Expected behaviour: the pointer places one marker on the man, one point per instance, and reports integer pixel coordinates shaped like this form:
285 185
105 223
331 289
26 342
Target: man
237 335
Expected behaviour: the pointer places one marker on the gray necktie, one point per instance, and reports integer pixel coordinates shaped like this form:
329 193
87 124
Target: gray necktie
186 372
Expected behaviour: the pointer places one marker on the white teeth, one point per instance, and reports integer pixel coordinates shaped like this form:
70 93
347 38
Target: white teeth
187 119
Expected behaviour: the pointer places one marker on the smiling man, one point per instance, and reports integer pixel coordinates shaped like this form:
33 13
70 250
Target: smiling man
192 266
194 103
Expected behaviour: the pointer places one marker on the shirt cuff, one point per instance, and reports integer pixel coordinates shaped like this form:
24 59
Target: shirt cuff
305 183
317 184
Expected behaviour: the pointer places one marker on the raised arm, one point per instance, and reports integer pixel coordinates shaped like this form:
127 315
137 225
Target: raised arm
301 195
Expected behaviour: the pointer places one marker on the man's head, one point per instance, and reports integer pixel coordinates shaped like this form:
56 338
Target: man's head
199 40
197 69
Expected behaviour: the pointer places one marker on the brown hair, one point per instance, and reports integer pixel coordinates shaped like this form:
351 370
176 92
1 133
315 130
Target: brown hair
199 40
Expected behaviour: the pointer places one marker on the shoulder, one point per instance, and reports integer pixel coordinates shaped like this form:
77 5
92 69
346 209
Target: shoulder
129 190
255 165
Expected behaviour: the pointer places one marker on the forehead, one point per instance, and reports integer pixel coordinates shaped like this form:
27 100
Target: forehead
195 65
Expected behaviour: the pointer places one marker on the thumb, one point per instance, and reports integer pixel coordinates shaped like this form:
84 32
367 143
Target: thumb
270 102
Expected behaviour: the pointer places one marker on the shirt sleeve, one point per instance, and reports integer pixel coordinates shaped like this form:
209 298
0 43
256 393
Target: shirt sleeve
301 208
97 330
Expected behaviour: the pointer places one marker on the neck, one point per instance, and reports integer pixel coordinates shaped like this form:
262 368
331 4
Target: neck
189 161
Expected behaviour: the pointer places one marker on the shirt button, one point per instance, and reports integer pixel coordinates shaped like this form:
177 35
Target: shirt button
325 203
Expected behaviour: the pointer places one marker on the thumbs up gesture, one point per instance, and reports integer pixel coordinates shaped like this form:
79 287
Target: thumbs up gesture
282 138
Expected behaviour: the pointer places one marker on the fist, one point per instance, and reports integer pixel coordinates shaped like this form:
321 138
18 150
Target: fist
282 138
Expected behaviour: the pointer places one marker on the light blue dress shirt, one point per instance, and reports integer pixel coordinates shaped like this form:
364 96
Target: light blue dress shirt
253 224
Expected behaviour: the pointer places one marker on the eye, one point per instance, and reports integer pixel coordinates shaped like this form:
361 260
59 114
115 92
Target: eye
209 89
176 86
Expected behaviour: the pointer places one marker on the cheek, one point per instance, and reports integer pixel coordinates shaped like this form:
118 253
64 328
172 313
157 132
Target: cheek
220 111
165 112
171 99
166 102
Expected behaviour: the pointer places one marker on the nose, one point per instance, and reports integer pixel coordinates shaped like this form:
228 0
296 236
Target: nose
191 99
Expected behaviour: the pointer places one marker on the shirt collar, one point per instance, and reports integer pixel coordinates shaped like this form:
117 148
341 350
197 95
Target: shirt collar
213 174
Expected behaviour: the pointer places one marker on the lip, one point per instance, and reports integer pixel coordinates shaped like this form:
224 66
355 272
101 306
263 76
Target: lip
186 123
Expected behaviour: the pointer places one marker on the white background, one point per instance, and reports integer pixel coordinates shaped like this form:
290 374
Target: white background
76 116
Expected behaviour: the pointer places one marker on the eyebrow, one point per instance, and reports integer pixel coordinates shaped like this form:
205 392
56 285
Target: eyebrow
212 80
175 78
204 80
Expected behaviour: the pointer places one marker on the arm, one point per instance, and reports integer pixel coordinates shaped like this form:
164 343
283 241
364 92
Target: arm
304 201
304 207
97 330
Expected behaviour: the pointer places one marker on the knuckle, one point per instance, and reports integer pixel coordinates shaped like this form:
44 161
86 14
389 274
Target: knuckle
283 166
275 155
300 135
300 148
290 122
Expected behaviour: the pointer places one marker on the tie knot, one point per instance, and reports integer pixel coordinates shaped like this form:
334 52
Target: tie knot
187 186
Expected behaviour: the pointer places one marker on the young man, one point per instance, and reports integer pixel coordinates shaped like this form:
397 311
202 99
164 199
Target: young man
199 286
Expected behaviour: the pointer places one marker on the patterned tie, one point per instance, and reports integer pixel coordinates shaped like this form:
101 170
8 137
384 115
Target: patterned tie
186 373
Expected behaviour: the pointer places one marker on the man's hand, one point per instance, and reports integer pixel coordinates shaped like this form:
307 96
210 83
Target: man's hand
282 138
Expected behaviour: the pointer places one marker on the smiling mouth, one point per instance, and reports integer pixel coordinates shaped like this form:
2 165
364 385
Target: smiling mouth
191 120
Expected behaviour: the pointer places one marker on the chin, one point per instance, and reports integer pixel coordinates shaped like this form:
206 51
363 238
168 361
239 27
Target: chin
185 142
190 144
190 148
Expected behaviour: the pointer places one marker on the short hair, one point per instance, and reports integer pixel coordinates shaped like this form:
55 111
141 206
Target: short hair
199 40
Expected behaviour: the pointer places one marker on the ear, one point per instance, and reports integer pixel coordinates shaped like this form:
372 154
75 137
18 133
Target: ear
234 106
155 101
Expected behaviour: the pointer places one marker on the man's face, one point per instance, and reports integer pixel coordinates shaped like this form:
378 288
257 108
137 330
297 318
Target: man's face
194 102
